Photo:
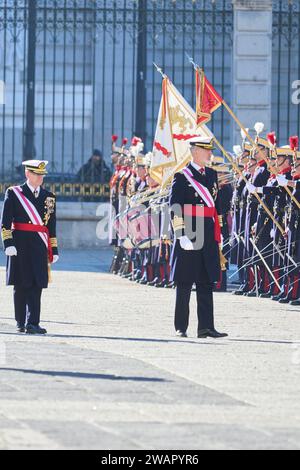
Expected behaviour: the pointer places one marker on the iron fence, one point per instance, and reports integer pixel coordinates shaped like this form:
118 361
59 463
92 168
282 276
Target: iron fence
286 68
78 71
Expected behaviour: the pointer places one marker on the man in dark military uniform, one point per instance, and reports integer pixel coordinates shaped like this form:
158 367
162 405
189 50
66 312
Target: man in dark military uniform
30 243
118 157
225 197
239 221
292 277
194 204
259 178
143 256
267 233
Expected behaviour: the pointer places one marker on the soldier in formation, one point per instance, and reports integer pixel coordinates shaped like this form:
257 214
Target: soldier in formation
258 208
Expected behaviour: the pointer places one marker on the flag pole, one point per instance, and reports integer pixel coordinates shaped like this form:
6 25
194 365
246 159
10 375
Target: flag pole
236 119
160 70
240 173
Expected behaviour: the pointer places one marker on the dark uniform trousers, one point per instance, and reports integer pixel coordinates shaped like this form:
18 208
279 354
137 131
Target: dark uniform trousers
205 308
27 305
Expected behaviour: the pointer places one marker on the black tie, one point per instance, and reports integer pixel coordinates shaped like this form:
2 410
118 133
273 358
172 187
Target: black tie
36 193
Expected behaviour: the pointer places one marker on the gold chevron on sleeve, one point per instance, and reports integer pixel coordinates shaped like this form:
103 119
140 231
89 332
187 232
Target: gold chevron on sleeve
53 242
178 223
6 234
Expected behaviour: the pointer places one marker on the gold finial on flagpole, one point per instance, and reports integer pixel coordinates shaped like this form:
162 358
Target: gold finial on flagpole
160 70
191 60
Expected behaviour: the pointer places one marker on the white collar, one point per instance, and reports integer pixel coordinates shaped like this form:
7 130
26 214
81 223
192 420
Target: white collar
32 188
197 167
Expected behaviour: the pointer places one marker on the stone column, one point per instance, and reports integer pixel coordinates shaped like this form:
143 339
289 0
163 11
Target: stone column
252 63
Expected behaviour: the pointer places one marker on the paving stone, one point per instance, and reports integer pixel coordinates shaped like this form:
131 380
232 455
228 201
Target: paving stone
111 374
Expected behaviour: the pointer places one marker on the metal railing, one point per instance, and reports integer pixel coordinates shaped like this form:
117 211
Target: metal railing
77 71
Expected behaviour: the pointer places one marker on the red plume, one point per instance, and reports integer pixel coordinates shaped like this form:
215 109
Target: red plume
294 142
114 138
135 141
124 141
272 138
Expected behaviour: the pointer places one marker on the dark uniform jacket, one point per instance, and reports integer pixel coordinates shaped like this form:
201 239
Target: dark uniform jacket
30 267
294 226
277 199
239 224
236 219
201 265
225 198
264 222
259 179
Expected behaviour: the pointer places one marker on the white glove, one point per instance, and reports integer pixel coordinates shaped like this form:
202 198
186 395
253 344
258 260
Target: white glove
186 244
55 259
253 189
272 234
11 251
282 181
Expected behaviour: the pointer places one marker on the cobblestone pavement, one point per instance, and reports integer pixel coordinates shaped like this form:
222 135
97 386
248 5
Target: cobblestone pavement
111 374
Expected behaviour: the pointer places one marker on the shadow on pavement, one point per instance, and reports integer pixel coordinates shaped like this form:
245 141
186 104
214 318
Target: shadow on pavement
83 375
112 338
53 322
263 341
156 340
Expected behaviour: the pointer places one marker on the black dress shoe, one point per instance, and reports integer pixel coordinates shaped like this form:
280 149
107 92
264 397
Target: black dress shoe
295 303
21 328
181 334
253 293
278 297
154 282
242 290
211 334
169 285
285 300
267 295
127 276
238 293
35 330
161 285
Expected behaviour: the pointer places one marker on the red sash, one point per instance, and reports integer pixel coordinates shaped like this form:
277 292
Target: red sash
37 229
206 212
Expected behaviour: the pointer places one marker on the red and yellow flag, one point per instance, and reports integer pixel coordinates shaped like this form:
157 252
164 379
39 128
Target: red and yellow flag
208 99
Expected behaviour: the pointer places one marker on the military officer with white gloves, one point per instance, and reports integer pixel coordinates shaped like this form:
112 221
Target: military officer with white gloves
29 237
